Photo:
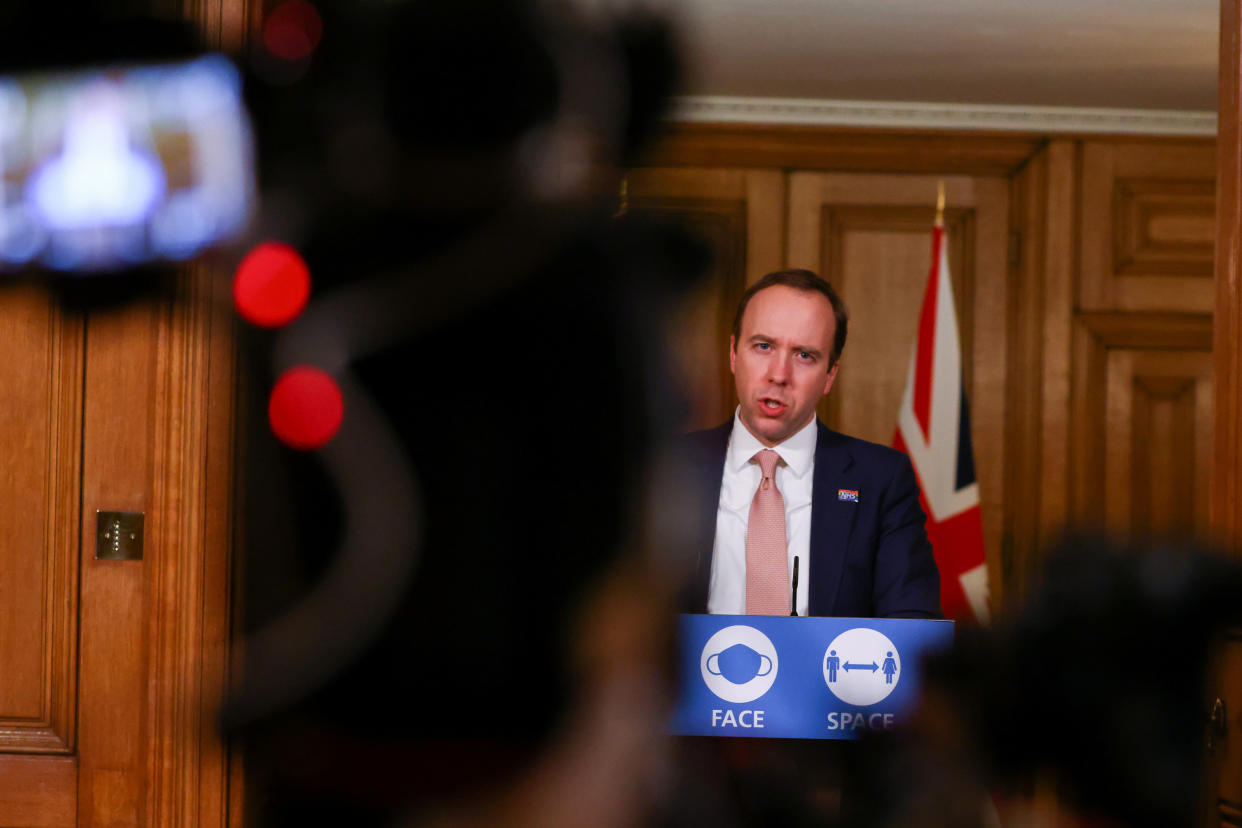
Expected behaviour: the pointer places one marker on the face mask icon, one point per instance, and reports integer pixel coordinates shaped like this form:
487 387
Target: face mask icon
739 664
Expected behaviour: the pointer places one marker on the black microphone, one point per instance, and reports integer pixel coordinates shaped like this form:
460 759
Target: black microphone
794 599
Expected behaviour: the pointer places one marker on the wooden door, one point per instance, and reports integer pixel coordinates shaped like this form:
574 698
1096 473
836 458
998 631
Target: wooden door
870 235
112 669
40 433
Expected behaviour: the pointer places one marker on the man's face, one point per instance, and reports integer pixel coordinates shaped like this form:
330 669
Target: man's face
780 360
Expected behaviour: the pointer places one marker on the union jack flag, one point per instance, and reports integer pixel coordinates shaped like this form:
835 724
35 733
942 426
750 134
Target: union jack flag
933 428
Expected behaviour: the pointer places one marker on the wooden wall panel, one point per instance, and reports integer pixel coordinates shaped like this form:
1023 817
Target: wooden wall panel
740 214
1225 778
842 149
189 581
1163 227
40 415
1227 342
870 235
1043 264
118 432
157 435
1142 434
1148 227
1145 406
878 257
38 792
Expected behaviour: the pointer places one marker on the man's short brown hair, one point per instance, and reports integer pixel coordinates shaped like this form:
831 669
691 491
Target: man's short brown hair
799 280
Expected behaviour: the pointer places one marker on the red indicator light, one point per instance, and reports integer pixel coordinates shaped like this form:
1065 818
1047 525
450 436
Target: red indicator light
292 30
271 286
306 408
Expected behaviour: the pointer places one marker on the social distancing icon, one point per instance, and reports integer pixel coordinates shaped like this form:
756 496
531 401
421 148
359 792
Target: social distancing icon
861 666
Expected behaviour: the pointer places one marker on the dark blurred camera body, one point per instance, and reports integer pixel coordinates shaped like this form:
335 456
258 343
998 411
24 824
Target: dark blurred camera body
421 154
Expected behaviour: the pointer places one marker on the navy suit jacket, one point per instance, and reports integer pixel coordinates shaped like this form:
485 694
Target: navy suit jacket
870 558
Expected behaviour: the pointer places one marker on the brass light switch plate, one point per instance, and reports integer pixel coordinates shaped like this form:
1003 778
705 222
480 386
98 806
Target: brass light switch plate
118 536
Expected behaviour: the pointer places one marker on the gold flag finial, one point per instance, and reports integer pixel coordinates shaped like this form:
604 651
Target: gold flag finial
940 203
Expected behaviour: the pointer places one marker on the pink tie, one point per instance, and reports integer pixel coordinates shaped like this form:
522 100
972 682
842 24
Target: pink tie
767 562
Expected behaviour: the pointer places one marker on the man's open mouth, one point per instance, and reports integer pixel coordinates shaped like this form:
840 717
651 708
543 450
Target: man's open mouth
771 406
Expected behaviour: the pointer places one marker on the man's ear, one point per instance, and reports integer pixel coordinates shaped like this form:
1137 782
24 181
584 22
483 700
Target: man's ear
733 355
832 376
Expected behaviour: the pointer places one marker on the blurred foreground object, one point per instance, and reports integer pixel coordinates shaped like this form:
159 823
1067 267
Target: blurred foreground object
120 146
110 168
456 611
1087 706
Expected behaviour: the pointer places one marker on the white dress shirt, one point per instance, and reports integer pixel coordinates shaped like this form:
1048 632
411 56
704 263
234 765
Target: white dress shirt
794 475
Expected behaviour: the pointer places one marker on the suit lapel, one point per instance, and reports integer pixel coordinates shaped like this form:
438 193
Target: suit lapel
832 520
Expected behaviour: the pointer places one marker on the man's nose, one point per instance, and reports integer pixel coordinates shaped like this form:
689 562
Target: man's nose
778 368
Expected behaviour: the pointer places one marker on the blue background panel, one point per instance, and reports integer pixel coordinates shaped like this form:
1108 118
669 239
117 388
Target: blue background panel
798 702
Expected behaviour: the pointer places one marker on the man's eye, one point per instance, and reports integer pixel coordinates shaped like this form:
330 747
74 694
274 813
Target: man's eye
804 355
763 346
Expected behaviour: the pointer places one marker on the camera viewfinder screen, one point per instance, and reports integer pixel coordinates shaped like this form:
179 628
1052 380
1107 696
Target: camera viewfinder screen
109 168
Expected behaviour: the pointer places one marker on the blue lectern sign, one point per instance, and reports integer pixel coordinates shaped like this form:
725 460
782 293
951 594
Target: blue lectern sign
803 678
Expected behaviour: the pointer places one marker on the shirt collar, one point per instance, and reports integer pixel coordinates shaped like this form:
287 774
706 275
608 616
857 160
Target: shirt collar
798 451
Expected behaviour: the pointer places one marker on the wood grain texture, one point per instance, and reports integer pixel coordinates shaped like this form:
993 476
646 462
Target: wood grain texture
227 25
38 792
985 347
1143 457
1024 394
843 149
1225 772
190 750
1147 222
158 438
1060 278
155 634
879 258
127 406
1088 435
740 215
1227 343
40 401
1155 329
1042 271
1163 226
118 432
1169 477
220 789
189 599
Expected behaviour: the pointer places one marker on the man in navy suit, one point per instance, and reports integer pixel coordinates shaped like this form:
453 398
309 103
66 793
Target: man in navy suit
852 516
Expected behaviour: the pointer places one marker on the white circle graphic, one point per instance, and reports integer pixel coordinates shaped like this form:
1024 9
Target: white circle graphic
861 666
738 664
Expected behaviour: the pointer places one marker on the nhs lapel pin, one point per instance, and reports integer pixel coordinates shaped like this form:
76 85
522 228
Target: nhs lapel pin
848 494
